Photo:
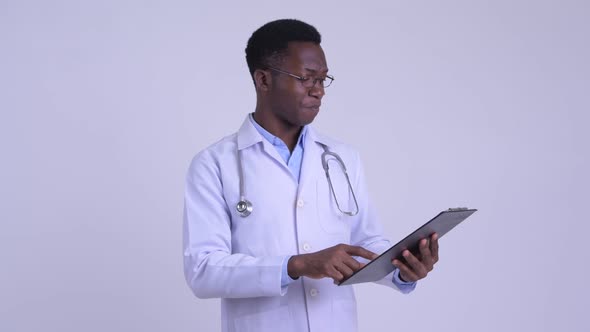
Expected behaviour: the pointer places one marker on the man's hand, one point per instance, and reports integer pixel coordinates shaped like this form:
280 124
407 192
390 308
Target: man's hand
417 266
335 262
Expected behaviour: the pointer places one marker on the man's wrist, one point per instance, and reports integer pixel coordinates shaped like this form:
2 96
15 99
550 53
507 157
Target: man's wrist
294 266
397 279
399 275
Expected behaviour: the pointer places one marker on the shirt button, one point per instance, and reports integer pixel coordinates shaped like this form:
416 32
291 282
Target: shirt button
306 247
300 203
313 292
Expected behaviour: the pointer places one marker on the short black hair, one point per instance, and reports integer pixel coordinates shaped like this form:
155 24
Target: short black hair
270 41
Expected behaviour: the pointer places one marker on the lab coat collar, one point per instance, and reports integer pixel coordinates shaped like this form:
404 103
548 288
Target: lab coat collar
248 135
313 136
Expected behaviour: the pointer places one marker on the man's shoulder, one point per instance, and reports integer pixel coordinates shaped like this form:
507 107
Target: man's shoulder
216 151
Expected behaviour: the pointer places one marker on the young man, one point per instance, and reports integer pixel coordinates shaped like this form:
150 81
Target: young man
265 229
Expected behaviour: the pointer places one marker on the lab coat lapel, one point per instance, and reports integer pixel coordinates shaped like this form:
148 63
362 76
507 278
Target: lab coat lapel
248 136
311 165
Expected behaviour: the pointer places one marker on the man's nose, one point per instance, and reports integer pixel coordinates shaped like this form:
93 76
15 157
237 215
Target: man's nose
317 90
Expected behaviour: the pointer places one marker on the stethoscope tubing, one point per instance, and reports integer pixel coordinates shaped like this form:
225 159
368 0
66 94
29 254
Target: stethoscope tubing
244 207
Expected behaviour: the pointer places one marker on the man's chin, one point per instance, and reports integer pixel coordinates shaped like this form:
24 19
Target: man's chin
308 115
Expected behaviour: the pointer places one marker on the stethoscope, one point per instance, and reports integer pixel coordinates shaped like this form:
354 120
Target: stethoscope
244 206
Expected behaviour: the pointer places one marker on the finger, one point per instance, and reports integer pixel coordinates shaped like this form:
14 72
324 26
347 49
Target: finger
417 267
347 273
334 274
344 270
405 272
425 255
360 251
434 247
352 263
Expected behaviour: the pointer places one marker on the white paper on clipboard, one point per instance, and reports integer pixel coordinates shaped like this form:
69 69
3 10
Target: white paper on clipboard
381 266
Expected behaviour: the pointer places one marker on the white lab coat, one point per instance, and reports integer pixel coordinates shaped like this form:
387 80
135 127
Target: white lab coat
239 259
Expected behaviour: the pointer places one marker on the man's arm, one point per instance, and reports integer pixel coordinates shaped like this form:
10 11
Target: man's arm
335 262
211 270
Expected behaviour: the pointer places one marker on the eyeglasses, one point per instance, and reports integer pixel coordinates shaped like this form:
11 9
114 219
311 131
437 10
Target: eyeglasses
308 82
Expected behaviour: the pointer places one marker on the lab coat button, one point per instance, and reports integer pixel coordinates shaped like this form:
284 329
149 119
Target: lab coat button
300 203
313 292
306 247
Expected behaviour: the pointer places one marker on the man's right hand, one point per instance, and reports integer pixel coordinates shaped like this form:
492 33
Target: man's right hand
335 262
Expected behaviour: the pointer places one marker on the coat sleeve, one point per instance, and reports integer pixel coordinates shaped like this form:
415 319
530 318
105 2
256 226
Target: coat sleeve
366 230
210 268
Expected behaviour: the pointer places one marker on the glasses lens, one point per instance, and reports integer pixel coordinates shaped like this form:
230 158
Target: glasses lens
323 82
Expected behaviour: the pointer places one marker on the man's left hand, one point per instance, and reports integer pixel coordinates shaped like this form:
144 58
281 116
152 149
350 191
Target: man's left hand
417 266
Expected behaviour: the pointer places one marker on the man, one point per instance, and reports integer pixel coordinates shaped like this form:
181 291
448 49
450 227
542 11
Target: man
274 263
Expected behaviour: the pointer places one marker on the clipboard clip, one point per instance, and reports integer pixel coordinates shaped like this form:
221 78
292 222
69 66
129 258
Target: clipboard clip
458 209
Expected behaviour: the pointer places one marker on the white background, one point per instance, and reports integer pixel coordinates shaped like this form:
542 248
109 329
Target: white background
451 103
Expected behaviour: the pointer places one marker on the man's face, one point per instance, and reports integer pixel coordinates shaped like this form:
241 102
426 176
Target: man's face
290 101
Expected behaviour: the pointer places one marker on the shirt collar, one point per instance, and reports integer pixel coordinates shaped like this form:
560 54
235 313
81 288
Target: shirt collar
274 140
248 135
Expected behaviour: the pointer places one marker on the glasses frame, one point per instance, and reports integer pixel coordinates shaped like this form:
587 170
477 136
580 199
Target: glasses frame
302 79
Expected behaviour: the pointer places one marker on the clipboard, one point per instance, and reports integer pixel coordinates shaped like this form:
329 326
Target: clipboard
381 266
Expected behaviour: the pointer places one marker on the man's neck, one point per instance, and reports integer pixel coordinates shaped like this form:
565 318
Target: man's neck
288 134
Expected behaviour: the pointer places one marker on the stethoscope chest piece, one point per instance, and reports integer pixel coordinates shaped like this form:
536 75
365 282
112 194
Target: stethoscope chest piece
244 207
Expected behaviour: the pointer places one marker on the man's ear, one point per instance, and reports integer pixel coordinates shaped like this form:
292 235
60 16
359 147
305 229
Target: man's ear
262 79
